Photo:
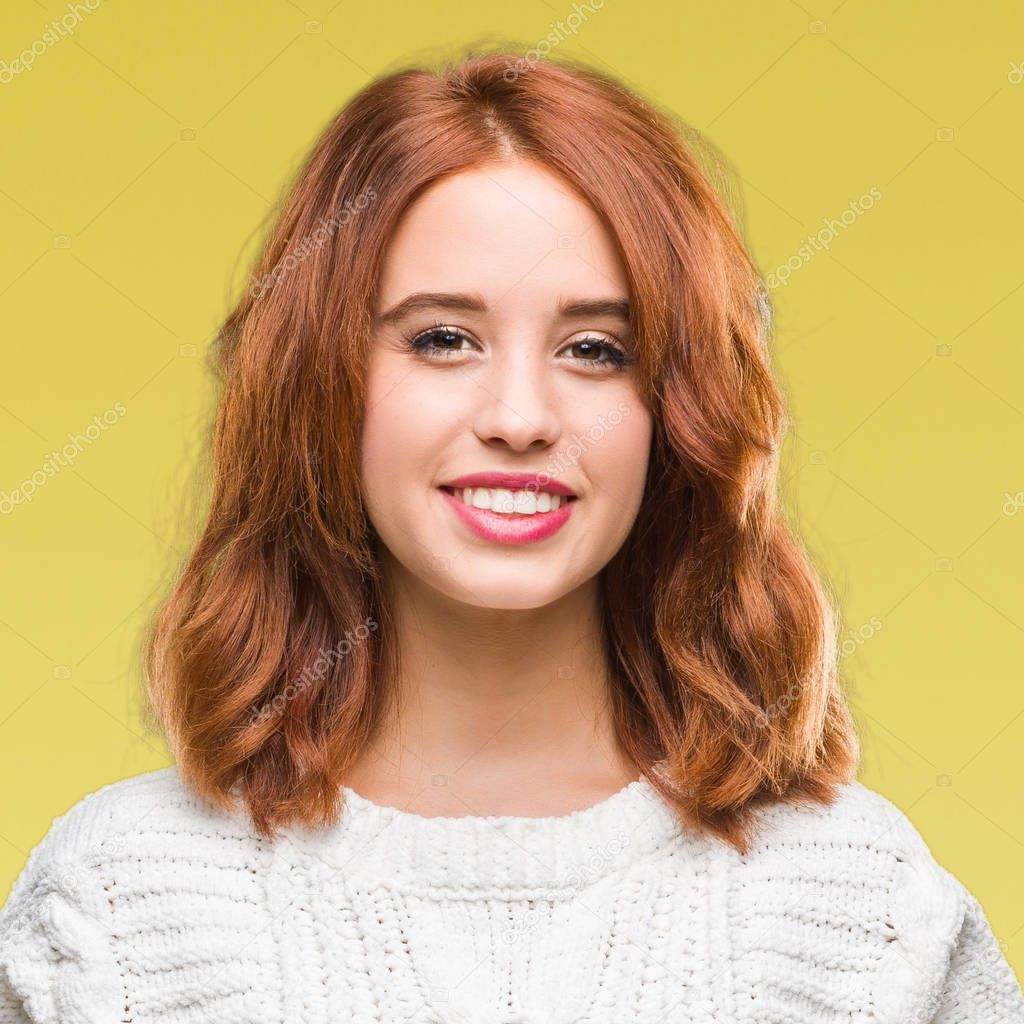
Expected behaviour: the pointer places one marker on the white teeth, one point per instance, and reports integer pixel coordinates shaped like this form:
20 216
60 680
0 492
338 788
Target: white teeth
499 499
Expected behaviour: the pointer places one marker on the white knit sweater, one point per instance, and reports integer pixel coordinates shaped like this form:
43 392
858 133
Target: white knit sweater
141 905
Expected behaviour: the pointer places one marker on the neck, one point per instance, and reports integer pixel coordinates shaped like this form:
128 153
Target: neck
496 711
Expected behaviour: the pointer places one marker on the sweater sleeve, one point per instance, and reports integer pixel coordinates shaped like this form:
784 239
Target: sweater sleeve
56 957
980 986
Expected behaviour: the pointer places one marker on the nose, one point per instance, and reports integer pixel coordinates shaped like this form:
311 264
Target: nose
517 404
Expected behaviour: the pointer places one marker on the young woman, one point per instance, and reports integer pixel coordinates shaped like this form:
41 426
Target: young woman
498 687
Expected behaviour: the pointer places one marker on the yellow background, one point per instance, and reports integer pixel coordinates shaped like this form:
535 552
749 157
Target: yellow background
143 154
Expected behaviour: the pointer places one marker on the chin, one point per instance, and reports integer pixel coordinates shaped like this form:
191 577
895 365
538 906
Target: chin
509 591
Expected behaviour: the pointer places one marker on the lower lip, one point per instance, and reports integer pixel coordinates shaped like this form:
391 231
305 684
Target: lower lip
508 528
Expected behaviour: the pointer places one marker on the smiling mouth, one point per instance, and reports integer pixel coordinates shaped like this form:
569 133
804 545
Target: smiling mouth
520 504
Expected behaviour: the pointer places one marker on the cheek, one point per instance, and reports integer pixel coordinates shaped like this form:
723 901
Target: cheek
405 421
616 438
387 433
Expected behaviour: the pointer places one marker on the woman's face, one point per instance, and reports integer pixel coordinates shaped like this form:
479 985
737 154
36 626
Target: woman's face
506 377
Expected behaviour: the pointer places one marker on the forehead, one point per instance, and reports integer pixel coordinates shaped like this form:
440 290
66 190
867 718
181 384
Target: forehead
507 231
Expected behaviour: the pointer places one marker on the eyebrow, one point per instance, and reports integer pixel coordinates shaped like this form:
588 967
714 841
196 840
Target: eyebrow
567 310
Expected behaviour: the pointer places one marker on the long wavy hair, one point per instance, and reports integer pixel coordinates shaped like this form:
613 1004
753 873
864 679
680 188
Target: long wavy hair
272 662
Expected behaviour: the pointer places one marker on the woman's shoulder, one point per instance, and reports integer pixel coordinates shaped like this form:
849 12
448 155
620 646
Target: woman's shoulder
856 874
855 815
104 821
859 854
133 848
145 823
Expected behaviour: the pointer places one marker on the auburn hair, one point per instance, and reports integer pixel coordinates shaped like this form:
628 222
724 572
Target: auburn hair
272 662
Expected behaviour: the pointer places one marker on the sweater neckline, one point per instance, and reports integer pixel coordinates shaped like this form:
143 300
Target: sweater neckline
385 845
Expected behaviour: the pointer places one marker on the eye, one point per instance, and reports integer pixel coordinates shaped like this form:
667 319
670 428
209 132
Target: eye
441 341
602 353
435 341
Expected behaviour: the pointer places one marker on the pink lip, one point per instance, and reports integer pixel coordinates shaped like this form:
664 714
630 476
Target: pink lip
505 527
512 481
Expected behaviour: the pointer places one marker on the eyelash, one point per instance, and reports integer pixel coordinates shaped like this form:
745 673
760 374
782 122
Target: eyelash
614 356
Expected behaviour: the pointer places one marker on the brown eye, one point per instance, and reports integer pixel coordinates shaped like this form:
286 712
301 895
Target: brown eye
601 353
438 340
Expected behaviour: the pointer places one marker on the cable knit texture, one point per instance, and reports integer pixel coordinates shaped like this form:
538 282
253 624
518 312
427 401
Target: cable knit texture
141 904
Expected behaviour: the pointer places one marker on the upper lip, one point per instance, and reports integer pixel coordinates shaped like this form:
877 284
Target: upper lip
513 482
